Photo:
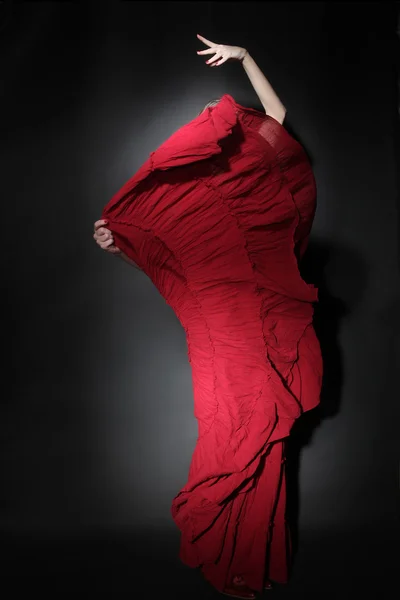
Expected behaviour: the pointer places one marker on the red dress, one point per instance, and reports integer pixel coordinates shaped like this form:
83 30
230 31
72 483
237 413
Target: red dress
218 217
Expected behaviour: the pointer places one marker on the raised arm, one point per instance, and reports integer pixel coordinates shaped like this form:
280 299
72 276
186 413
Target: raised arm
264 90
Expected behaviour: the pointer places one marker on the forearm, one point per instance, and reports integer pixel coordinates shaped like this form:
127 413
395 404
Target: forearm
264 90
127 260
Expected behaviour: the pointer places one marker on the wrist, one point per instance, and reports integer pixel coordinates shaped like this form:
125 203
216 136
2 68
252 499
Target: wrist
116 252
244 56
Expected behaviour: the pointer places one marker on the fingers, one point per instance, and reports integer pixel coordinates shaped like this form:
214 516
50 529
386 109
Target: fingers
102 231
109 246
99 223
102 234
213 59
216 49
206 51
106 244
206 42
220 62
104 237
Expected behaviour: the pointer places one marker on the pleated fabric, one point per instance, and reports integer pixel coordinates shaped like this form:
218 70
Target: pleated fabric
219 217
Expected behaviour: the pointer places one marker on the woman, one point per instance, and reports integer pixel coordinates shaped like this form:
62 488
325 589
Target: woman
218 217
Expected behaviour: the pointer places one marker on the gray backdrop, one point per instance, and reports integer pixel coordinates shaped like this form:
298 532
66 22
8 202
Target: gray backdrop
98 432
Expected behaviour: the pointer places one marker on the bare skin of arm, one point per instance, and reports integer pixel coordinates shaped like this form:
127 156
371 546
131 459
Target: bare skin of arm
264 90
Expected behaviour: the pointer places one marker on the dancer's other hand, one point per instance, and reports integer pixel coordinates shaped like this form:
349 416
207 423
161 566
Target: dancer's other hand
104 237
222 52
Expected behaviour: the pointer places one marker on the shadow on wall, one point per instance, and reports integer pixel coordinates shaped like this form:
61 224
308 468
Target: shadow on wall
329 268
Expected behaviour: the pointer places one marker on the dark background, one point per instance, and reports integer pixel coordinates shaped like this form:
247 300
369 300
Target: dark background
98 431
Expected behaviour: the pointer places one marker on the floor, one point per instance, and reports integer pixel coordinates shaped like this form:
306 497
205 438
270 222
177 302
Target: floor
330 566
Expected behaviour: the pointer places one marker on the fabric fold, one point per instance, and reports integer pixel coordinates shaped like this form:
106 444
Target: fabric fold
198 140
218 217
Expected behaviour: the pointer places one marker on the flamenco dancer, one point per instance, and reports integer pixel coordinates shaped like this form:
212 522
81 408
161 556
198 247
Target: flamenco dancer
219 217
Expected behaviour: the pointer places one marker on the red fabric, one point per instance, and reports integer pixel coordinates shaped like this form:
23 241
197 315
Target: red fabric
218 217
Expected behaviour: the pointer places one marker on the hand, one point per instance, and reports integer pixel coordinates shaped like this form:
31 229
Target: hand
222 52
104 238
